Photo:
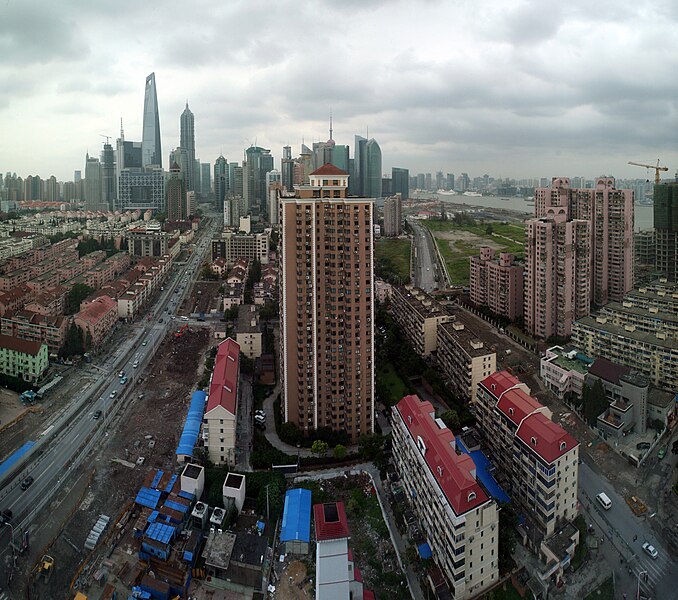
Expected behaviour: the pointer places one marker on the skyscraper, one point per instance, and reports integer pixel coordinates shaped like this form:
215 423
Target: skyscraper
610 212
666 229
400 179
372 175
92 183
393 209
151 150
357 180
258 162
109 185
187 140
175 195
220 181
327 299
205 179
287 168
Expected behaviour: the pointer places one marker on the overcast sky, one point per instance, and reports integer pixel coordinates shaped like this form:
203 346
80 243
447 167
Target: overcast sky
519 89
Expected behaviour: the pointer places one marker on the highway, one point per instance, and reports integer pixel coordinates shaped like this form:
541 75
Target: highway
619 526
80 428
425 265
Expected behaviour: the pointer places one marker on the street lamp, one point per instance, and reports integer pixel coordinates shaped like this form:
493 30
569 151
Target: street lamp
638 588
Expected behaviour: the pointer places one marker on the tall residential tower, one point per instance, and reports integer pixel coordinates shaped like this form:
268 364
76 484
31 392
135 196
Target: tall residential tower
327 300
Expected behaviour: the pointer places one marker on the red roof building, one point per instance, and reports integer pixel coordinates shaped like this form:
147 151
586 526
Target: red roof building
538 456
329 169
97 318
219 424
330 521
442 489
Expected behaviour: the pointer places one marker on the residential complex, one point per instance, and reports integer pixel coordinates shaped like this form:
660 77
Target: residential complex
497 283
232 246
640 333
557 274
327 306
418 315
219 421
464 356
457 516
610 214
538 456
22 359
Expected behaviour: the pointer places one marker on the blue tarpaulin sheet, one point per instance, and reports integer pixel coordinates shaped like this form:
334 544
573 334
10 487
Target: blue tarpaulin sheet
160 532
147 497
296 523
14 458
176 506
483 471
189 435
170 483
187 495
157 478
424 550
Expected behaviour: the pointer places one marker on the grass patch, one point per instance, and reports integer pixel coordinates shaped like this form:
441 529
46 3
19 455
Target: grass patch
604 592
506 592
391 386
393 258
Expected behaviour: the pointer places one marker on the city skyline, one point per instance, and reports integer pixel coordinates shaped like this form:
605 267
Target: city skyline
509 96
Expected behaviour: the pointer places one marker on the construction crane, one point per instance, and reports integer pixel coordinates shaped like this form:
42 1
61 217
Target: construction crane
656 168
108 137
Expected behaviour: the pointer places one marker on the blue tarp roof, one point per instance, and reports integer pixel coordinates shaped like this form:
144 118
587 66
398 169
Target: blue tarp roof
160 532
14 458
176 506
187 495
296 524
157 478
170 483
147 497
424 550
189 436
483 471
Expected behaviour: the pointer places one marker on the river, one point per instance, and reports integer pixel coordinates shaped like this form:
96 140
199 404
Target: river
643 214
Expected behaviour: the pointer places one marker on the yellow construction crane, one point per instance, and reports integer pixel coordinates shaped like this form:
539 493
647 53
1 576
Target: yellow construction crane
656 168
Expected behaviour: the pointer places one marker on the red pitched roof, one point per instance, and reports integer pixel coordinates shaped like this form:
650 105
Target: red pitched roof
454 473
20 345
330 521
516 405
499 382
548 439
329 169
608 370
224 383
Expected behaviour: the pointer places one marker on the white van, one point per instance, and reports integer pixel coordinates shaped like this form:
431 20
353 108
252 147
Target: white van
604 500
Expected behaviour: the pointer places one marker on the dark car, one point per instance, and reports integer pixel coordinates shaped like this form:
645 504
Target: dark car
96 415
26 483
5 516
642 445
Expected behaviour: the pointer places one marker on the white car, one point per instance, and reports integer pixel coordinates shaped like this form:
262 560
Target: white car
112 394
136 364
650 549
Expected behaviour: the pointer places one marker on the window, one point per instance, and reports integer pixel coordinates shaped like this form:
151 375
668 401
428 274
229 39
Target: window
471 496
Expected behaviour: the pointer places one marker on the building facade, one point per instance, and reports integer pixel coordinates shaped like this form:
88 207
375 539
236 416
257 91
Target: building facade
557 280
537 455
563 371
666 229
400 182
187 140
175 195
457 517
327 306
497 283
232 246
22 359
151 148
142 189
393 215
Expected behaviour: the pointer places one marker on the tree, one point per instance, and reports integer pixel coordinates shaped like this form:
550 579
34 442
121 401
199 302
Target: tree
489 230
451 419
370 446
254 274
75 296
208 273
231 314
291 434
319 448
508 521
595 402
339 452
73 342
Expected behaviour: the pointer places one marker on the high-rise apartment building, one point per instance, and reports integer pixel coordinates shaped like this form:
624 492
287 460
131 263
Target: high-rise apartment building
400 182
51 189
92 183
497 283
205 179
151 149
109 183
327 300
393 215
187 140
450 181
610 212
557 274
287 168
666 229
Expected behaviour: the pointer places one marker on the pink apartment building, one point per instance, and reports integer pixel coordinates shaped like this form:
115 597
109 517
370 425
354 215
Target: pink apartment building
497 283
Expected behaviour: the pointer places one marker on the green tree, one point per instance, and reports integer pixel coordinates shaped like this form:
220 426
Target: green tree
75 296
254 274
291 434
73 342
208 273
595 402
339 452
489 230
451 419
319 448
371 446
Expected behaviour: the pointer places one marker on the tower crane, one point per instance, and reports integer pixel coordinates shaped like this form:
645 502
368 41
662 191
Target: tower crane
106 136
656 168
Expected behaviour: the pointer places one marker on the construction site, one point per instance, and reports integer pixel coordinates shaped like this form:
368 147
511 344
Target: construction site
144 434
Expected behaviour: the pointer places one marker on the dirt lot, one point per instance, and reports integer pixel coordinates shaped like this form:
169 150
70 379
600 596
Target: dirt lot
203 297
167 384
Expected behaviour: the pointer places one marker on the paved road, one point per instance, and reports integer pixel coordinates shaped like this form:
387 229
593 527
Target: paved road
619 526
80 428
425 266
